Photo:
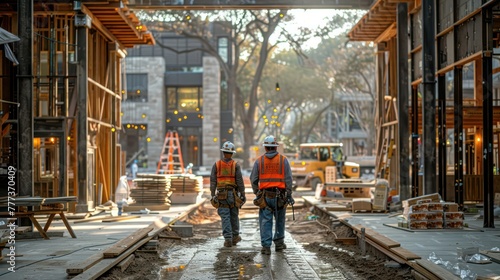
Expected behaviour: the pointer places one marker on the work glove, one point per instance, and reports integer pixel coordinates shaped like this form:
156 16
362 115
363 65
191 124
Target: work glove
214 199
290 200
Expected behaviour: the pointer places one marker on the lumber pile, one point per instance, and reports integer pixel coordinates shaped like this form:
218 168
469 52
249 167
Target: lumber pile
186 188
151 191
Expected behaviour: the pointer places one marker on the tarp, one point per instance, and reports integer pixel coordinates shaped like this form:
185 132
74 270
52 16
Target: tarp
5 38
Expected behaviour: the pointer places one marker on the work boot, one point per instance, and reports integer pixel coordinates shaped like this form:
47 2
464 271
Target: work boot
236 239
280 247
266 251
228 243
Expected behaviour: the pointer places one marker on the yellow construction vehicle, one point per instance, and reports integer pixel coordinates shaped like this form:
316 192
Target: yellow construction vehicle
310 167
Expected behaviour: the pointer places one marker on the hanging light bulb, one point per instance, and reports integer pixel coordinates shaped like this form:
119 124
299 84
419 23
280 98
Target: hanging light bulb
278 87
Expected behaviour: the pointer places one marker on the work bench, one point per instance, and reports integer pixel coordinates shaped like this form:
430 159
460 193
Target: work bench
39 206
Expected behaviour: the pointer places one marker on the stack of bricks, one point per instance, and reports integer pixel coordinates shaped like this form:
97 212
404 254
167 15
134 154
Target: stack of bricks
428 212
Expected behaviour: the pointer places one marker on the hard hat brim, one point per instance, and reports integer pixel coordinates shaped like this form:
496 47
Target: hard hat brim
226 151
270 145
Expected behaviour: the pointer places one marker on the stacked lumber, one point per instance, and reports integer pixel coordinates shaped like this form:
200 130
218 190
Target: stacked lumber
186 188
427 212
151 190
186 183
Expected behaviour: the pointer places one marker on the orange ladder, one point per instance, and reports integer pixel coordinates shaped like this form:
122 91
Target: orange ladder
171 157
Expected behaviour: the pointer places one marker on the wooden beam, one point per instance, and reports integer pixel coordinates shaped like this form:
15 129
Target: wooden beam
127 242
461 62
81 266
104 265
389 33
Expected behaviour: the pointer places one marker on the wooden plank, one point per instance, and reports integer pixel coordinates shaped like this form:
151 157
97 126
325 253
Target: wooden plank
405 254
437 270
158 226
104 265
119 218
123 265
383 240
91 219
494 256
385 251
153 207
79 267
422 274
20 230
122 245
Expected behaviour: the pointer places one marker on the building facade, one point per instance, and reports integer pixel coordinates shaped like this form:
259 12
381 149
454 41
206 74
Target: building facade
182 92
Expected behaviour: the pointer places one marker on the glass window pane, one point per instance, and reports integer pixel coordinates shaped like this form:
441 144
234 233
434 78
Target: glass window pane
188 99
171 99
137 87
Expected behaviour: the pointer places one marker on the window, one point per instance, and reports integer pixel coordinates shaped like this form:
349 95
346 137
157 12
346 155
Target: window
184 99
137 87
222 46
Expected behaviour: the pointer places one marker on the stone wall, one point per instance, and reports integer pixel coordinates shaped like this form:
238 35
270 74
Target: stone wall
154 107
211 111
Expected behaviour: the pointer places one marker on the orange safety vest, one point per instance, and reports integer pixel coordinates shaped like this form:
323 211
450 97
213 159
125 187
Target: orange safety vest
226 173
272 172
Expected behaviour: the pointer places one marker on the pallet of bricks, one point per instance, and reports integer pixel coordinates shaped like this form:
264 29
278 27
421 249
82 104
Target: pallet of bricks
428 212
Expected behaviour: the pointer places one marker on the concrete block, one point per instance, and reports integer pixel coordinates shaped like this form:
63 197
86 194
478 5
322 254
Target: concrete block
183 230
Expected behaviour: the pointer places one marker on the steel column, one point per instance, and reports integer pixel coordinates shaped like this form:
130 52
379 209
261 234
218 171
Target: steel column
458 136
403 92
25 97
82 114
429 97
442 166
415 162
488 200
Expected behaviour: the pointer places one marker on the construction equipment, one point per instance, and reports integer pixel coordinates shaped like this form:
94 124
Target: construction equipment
171 157
310 167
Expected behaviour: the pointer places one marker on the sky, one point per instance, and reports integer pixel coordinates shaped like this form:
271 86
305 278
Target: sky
312 18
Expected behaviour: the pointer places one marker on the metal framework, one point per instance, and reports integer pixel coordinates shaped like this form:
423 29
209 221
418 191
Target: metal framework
446 39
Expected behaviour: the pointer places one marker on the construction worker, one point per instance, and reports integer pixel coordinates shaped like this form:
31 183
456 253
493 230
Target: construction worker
228 193
271 179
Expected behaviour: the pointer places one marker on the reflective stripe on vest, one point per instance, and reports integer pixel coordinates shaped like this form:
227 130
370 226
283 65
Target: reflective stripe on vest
272 172
226 173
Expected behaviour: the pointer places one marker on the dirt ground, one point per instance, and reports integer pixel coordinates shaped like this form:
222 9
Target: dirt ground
316 234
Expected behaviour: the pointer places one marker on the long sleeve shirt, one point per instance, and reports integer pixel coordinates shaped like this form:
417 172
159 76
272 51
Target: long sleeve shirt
254 176
239 178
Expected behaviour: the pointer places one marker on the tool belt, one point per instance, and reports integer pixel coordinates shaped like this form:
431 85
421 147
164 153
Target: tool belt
222 195
270 193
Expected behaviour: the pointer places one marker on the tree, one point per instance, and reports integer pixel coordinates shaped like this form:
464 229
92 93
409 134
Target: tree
251 45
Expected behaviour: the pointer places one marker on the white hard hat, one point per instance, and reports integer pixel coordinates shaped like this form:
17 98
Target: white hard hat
270 141
228 147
